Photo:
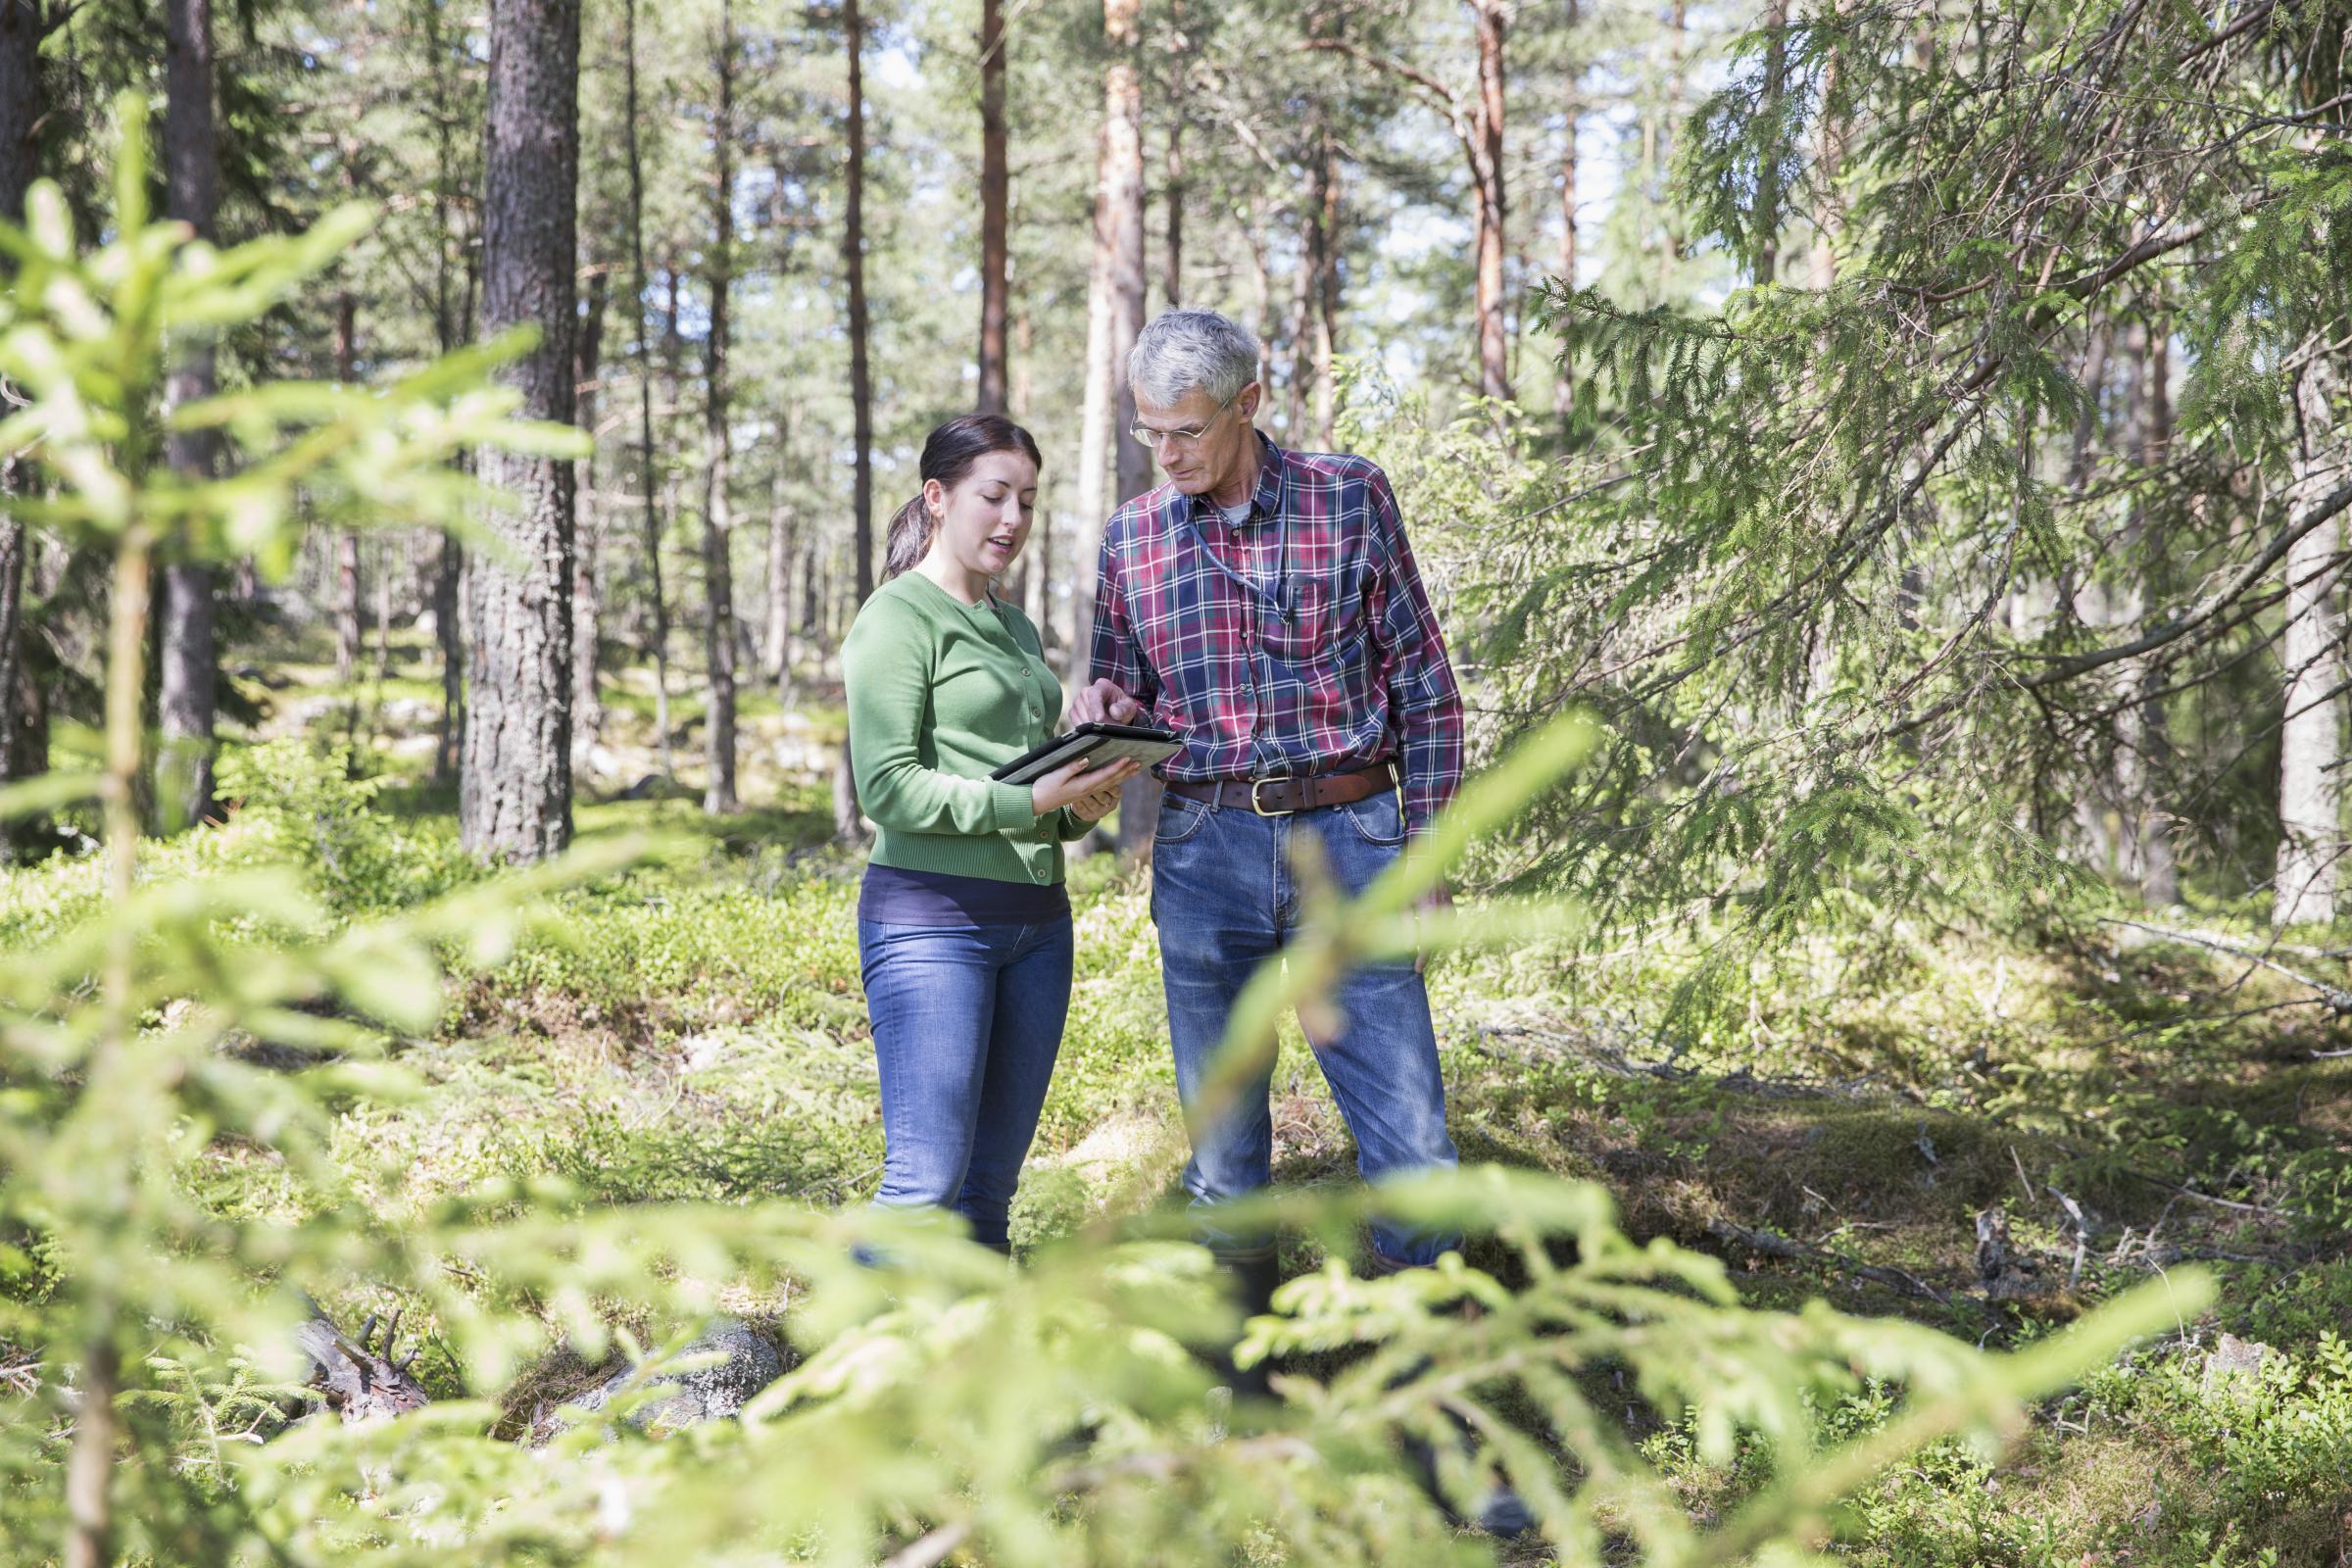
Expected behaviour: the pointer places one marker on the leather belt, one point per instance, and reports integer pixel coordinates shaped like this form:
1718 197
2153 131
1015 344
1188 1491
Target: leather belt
1280 797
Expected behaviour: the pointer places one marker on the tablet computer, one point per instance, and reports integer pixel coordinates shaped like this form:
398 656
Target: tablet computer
1103 743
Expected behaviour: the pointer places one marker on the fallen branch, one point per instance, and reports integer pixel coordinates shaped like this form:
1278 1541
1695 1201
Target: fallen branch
2265 1210
1774 1245
2340 1001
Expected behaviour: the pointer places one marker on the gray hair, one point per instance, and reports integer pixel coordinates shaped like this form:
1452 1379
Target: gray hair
1192 351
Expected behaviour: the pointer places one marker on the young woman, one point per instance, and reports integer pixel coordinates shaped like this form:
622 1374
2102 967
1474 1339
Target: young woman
963 924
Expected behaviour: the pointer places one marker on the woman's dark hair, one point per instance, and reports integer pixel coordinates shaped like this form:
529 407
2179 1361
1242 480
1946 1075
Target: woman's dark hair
948 454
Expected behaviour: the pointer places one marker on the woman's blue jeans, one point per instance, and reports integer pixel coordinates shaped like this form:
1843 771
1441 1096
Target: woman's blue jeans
966 1021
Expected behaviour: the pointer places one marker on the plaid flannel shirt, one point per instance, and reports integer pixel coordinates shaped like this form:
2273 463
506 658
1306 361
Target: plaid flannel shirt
1297 642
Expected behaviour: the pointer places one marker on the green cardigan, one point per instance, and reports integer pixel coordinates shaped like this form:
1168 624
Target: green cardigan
941 693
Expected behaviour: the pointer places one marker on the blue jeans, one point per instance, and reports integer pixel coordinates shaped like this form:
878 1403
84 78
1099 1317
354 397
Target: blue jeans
966 1021
1225 902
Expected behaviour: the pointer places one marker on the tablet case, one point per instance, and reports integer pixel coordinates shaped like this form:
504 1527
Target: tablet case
1105 743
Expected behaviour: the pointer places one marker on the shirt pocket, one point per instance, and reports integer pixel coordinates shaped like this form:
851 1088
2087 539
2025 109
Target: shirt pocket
1325 626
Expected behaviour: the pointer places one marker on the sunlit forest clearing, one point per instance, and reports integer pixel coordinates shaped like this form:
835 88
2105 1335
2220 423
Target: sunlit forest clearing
1877 472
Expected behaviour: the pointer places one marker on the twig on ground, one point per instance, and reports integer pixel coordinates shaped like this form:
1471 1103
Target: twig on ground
2338 999
2194 1195
934 1548
1774 1245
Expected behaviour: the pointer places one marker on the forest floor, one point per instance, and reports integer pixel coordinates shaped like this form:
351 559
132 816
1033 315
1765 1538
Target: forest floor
1955 1125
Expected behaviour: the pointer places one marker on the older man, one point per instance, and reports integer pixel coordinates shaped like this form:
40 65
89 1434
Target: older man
1264 605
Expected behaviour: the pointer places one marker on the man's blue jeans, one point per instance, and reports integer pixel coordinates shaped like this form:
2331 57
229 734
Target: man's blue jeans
966 1021
1226 900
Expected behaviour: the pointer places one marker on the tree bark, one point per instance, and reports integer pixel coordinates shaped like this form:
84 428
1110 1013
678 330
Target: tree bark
996 185
449 576
21 24
2311 738
1304 287
1038 578
452 323
781 545
1172 197
862 393
1678 63
719 519
187 658
587 606
348 631
1119 217
1327 291
1829 154
1768 181
515 796
1486 169
660 652
1114 314
847 820
2146 733
1262 300
1563 390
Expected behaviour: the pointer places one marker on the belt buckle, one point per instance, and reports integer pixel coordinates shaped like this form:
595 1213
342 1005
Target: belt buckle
1257 784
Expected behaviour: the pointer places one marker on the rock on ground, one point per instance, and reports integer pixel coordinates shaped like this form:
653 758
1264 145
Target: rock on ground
749 1363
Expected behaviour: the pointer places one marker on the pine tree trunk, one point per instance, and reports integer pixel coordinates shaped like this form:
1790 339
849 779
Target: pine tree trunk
1678 63
996 185
1563 390
1829 156
1120 216
862 392
383 609
449 576
1486 167
847 820
1327 292
515 794
646 476
1768 188
449 569
187 658
1037 578
719 519
348 631
2311 738
780 551
21 24
1262 302
2145 739
587 607
1306 287
2160 870
1172 196
1113 310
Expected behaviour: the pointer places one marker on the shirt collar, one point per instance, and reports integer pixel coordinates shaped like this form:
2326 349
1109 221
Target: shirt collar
1265 501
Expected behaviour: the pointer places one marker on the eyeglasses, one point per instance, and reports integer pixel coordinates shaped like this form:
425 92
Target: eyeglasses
1181 440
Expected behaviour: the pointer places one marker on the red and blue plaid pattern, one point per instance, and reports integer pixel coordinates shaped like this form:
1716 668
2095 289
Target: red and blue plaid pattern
1299 642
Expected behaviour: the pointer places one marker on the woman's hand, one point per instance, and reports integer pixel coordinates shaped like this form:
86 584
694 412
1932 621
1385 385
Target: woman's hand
1090 792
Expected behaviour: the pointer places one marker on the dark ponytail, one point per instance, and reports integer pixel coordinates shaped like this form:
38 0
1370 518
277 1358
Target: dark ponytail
948 454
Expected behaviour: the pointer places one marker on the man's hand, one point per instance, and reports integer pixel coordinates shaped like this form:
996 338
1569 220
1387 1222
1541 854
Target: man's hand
1435 898
1103 702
